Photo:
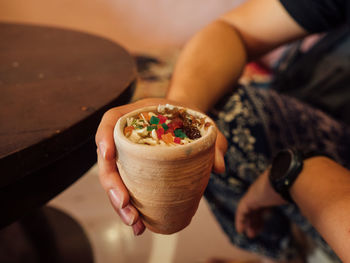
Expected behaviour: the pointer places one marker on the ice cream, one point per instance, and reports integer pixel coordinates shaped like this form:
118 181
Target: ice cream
167 125
164 156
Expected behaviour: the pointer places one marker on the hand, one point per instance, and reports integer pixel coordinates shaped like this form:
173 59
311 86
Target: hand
108 172
255 204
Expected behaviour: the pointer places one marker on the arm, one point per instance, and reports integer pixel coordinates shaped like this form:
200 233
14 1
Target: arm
214 58
323 196
321 191
208 66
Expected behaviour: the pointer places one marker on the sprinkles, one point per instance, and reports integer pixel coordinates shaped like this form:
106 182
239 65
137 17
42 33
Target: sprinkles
168 125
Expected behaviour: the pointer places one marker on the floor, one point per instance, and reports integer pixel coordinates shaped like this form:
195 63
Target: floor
112 241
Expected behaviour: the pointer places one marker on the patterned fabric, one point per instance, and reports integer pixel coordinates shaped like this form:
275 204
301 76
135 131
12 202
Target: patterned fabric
258 123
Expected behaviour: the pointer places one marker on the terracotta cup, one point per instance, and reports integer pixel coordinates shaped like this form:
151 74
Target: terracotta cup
165 183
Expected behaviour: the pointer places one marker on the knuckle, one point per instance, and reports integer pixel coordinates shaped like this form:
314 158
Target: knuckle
109 116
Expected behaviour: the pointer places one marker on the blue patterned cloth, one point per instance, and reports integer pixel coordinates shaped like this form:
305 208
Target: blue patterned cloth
257 123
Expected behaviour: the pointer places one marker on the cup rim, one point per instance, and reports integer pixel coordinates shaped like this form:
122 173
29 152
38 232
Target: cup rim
160 151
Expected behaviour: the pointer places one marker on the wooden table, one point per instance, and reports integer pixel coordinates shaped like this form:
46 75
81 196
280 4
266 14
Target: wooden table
55 85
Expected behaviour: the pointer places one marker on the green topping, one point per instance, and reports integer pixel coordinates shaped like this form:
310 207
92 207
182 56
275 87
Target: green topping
165 127
150 128
138 127
179 133
154 120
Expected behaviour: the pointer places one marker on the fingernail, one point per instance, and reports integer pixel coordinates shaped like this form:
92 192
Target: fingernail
116 198
127 215
138 228
102 148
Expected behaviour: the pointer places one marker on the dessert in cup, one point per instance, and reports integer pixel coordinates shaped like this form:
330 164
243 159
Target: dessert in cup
165 155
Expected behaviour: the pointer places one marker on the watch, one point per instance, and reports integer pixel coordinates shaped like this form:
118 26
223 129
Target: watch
285 168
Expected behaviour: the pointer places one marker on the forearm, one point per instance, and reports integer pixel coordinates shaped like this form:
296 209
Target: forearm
208 66
322 192
214 58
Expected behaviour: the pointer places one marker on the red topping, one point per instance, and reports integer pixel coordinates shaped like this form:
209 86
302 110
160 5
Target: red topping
162 119
160 132
175 124
177 140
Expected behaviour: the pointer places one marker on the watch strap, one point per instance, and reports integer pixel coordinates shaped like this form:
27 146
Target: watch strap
284 183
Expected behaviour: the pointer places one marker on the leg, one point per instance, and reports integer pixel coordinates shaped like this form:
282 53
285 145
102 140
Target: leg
258 123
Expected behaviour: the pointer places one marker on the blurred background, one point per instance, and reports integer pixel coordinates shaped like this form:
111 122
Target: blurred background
155 30
141 26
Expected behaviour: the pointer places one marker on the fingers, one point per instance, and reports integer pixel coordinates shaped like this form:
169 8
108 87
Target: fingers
128 214
104 135
130 217
118 194
254 224
106 157
111 181
220 150
138 228
241 216
108 172
249 221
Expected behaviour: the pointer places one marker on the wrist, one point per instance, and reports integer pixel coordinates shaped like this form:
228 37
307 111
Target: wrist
287 166
285 169
265 194
275 198
183 97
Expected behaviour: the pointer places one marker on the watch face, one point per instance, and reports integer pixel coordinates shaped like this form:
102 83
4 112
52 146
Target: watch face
285 168
281 164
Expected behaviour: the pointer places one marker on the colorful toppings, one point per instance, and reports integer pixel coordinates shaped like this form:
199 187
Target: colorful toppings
168 125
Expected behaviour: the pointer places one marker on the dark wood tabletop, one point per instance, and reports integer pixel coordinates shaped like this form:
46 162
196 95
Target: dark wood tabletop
55 85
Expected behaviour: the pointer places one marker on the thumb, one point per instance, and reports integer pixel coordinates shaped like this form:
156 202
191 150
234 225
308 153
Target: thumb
220 150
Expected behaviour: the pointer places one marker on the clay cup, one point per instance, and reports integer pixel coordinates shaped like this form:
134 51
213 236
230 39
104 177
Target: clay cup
165 183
